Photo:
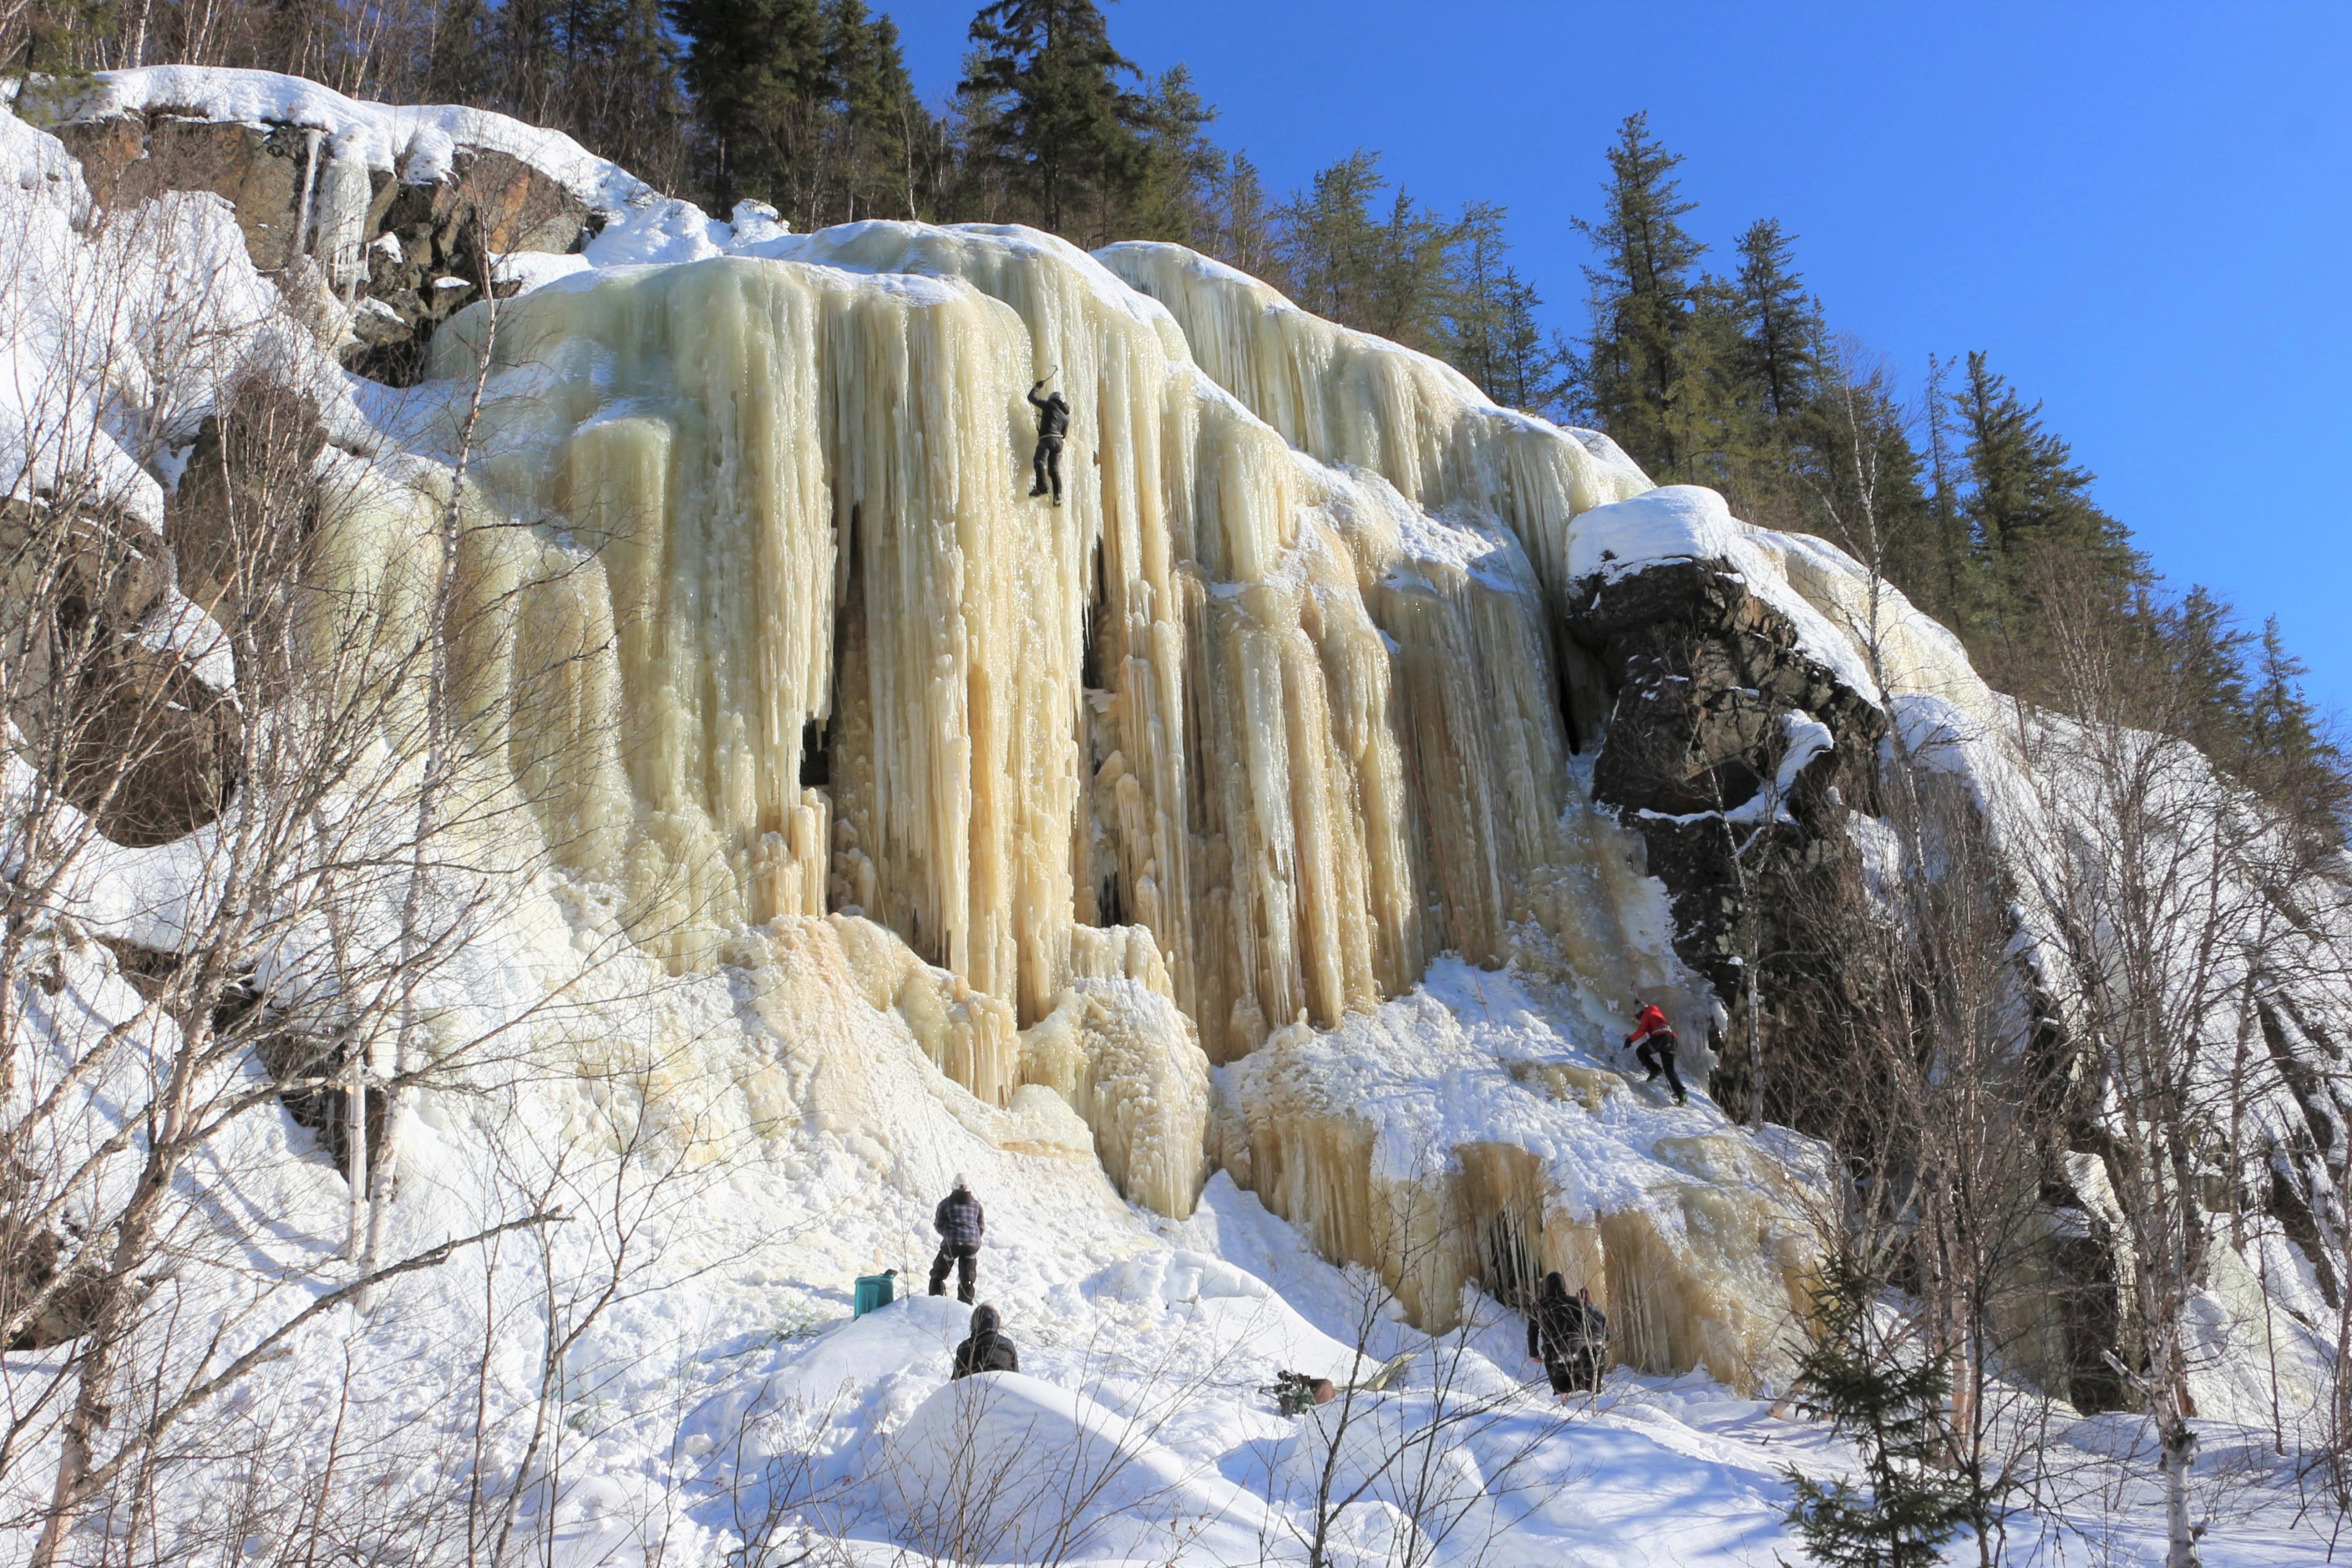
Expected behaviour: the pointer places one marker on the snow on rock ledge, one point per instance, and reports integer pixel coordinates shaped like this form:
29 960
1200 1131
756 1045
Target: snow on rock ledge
1457 1135
417 144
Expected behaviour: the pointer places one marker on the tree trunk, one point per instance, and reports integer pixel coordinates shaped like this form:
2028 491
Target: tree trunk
2179 1456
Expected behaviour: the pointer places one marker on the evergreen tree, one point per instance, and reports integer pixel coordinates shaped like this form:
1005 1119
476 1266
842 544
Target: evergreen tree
2024 490
1643 374
2205 652
1044 109
1245 229
1383 275
1890 1408
1848 446
1175 194
881 126
1780 326
2033 524
758 72
1493 336
2295 763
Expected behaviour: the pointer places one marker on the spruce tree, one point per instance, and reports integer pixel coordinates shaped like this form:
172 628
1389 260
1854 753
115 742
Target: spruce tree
1174 195
2205 651
1780 325
1044 110
1643 374
2295 763
1848 443
757 69
880 127
2034 526
2024 490
1385 275
1890 1407
1492 333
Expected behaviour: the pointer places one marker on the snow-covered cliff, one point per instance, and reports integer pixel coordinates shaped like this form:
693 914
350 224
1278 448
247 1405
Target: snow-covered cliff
856 819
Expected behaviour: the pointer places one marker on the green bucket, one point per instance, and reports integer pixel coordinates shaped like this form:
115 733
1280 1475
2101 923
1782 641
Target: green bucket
873 1290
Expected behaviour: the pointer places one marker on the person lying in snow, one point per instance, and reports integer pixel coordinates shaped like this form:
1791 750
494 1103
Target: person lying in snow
1569 1335
960 1223
985 1349
1053 424
1653 1040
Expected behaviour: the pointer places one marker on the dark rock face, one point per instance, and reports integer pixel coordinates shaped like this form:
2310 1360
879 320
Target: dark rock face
111 706
258 170
1708 691
2303 1194
434 261
1703 680
426 244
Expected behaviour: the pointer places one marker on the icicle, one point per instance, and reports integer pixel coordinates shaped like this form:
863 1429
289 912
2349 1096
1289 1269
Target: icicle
309 178
344 197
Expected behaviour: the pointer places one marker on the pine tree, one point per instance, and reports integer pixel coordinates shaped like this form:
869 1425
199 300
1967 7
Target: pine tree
1890 1408
1044 110
1174 197
1492 333
881 125
2292 759
1246 231
1386 275
1780 325
757 69
1643 374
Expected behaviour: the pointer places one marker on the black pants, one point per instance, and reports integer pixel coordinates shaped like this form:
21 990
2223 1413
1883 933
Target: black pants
1047 463
1656 1052
965 1260
1579 1373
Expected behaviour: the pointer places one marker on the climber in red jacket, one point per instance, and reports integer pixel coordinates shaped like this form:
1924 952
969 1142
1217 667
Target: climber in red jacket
1653 1040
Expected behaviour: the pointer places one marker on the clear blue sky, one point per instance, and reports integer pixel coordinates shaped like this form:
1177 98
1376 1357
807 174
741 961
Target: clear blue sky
2142 212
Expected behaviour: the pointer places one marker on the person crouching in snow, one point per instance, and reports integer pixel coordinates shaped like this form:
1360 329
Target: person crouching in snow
1653 1040
985 1349
1569 1335
960 1223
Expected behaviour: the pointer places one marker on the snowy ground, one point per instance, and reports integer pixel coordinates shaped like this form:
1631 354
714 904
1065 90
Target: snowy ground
1160 1356
726 1396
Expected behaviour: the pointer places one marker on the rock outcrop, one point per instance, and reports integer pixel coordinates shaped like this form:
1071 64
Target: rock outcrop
418 239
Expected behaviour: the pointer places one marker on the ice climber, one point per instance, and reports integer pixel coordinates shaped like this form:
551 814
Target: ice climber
960 1222
985 1349
1569 1335
1653 1040
1053 424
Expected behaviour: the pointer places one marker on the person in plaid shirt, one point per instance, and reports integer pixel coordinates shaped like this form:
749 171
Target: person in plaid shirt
960 1224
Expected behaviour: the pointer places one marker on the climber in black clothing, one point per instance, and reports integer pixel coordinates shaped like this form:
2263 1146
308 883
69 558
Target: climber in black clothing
985 1349
1569 1334
1053 424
